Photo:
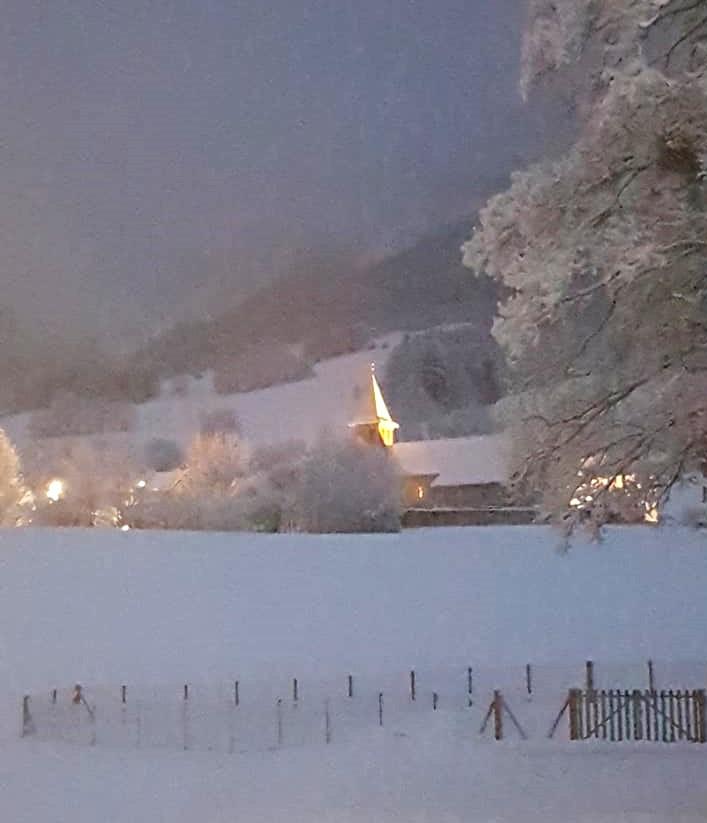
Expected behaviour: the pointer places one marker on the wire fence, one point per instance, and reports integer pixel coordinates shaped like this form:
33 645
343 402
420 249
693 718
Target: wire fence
236 716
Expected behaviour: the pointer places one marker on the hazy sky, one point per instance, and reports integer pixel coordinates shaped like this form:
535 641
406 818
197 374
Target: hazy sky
155 153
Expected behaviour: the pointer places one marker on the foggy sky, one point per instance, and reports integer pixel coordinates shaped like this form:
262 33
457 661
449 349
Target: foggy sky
158 154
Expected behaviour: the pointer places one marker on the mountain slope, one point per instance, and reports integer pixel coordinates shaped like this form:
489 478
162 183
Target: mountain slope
331 310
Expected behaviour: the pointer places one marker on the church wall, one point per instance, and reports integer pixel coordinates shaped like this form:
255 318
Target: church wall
468 496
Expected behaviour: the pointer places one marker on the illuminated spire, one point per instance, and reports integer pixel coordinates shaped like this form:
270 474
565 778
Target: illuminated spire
377 420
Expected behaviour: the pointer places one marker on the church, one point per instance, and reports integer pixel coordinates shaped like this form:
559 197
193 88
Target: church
448 482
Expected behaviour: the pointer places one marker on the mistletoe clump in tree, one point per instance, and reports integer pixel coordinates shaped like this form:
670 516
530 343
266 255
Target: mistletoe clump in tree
604 255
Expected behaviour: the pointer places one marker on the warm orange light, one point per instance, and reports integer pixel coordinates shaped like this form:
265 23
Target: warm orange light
55 490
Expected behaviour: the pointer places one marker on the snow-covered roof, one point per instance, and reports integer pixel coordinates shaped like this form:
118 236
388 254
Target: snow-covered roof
457 461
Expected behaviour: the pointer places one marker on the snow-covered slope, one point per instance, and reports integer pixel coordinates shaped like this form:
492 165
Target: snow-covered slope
289 411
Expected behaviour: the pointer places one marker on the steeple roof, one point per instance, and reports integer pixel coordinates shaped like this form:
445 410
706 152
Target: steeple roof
373 411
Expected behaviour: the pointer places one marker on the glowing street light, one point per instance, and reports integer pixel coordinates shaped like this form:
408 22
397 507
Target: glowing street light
55 490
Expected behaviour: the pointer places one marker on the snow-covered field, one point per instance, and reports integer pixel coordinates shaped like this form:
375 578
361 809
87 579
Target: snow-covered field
155 611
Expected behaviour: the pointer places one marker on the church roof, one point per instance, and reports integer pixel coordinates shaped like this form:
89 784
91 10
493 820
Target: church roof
457 461
371 406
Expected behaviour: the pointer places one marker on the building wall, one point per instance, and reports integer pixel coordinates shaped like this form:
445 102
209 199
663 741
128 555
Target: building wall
469 496
425 518
416 492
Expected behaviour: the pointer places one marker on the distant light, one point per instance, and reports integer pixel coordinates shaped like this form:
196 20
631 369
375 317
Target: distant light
55 490
125 528
141 484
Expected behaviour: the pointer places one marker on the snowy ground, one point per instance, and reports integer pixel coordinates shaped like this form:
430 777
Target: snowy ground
157 610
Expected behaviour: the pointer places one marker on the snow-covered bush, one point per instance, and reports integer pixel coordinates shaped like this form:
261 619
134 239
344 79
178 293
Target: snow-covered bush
186 511
270 489
207 493
272 457
346 486
79 483
214 465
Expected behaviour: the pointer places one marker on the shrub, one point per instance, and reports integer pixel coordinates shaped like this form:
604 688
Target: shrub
348 487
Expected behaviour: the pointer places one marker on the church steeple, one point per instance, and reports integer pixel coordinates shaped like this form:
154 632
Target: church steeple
375 424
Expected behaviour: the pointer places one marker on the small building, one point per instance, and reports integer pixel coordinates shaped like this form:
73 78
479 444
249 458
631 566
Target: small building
458 472
453 481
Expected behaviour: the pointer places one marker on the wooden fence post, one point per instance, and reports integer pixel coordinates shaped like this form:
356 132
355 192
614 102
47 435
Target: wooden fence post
185 718
469 685
498 715
412 685
575 711
435 699
92 721
380 708
236 693
663 715
123 694
679 700
295 691
279 722
350 686
637 715
700 725
27 722
590 676
529 680
327 722
651 677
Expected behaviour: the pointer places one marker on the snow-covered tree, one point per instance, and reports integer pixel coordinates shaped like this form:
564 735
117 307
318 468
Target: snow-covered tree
438 382
214 464
12 490
615 228
348 487
79 482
